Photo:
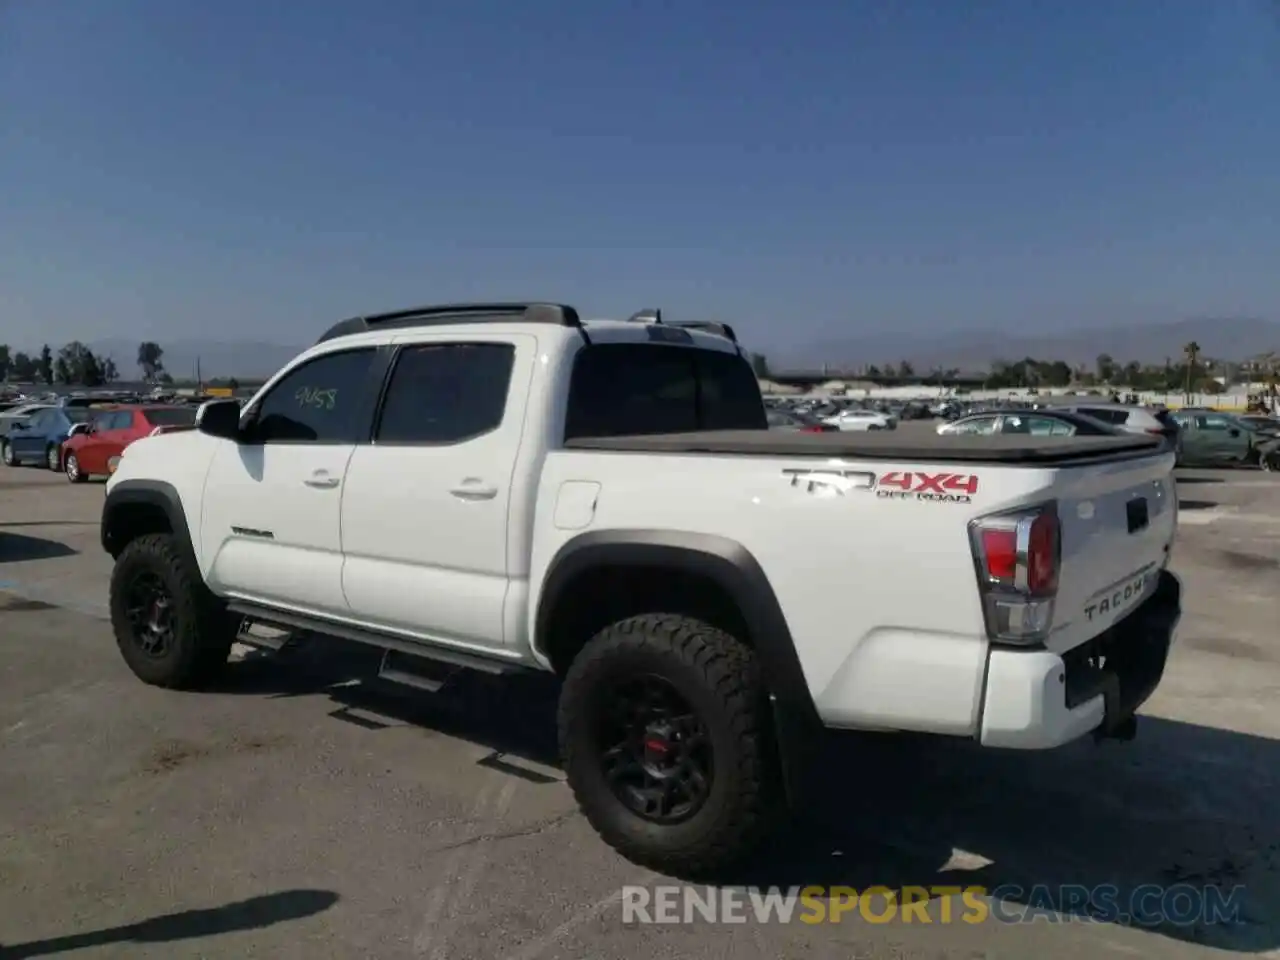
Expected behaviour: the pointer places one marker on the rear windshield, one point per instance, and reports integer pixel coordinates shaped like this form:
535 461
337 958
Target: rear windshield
625 389
1164 419
171 416
81 414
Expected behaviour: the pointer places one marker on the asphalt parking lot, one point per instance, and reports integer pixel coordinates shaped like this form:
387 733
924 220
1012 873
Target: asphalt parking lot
295 813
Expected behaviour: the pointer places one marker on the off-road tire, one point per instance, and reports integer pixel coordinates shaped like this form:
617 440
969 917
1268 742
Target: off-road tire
7 455
719 677
203 631
71 467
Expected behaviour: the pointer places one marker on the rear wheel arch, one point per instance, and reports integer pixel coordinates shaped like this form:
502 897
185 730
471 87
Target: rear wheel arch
601 577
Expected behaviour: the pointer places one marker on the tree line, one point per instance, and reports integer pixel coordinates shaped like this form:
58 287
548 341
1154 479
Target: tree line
76 365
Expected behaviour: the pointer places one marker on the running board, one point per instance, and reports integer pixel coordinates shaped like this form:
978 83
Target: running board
295 622
419 678
263 636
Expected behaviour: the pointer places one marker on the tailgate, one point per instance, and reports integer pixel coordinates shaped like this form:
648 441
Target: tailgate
1118 523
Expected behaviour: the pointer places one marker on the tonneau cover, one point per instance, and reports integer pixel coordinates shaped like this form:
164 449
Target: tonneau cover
878 445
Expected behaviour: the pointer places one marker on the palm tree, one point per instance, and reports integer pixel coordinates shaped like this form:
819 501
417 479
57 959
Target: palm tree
1192 352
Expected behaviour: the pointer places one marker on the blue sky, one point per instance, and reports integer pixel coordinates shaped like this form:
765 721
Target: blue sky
244 169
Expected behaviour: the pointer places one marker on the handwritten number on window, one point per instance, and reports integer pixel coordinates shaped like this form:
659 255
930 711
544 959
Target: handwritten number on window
316 398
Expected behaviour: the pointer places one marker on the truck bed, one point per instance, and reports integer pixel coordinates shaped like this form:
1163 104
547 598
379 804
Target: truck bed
888 445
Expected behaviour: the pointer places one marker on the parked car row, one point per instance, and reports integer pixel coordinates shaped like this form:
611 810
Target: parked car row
841 413
85 441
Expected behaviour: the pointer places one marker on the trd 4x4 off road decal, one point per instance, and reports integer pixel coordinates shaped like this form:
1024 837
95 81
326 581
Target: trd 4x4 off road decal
925 487
831 480
931 487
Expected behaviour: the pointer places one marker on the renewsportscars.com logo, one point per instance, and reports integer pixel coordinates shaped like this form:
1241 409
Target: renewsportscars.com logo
1150 905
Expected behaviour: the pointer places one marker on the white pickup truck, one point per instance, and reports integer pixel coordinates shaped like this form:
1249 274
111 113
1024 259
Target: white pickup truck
507 487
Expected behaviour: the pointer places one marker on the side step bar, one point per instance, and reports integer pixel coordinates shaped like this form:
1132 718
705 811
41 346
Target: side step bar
263 637
266 616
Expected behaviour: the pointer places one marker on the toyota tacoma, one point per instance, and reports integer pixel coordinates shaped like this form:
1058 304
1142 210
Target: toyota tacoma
509 487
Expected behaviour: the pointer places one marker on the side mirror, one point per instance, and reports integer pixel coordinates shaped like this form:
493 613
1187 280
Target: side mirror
219 418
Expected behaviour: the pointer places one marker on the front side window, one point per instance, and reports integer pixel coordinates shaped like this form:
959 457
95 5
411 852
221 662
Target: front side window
978 426
446 393
319 401
1211 422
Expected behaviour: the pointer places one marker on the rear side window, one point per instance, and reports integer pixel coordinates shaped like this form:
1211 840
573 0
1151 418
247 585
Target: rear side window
1116 417
446 393
636 389
170 417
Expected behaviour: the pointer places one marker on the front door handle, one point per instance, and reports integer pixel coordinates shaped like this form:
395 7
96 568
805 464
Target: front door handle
471 489
321 480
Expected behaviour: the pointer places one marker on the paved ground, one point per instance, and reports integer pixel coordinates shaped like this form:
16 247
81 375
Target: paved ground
291 814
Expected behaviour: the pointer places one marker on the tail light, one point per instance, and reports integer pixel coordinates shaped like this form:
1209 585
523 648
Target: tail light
813 428
1018 557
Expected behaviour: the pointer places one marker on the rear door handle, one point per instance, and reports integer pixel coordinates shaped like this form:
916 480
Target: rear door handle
471 489
321 480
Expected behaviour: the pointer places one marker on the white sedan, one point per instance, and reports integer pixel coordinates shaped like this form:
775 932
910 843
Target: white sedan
862 420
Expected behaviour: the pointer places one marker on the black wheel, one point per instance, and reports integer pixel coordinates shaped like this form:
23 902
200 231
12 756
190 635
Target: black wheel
6 454
72 469
666 744
170 629
53 457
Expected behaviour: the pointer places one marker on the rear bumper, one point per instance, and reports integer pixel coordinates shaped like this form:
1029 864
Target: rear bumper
1035 699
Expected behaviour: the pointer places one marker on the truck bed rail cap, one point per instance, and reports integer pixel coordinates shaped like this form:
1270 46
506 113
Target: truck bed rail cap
1007 449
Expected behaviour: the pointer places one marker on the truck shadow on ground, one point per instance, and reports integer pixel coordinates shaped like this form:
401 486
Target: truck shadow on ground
252 914
1156 834
1088 831
17 547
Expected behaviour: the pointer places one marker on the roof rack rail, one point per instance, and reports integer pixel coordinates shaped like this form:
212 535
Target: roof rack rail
651 315
709 326
557 314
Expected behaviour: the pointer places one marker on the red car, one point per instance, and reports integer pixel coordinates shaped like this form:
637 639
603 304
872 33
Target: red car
95 448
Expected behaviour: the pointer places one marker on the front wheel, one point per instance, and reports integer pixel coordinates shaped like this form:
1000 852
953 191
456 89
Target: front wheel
53 457
6 454
666 743
171 631
73 471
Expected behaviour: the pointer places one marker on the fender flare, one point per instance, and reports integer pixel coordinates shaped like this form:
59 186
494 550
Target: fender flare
151 493
726 562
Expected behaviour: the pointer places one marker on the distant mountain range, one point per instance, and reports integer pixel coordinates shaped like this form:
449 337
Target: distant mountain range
974 350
